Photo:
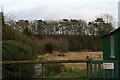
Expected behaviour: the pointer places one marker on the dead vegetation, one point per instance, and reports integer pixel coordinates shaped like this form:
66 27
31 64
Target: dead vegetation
73 56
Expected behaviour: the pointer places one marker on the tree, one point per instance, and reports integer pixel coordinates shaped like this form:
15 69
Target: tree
91 29
99 27
50 47
107 18
27 32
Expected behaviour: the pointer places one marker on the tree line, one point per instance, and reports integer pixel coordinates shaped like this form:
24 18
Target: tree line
99 26
86 35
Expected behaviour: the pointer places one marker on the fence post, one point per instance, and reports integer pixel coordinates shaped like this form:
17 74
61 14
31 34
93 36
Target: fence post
87 57
43 70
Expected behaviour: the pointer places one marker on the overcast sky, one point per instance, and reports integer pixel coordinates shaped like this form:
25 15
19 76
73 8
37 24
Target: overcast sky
59 9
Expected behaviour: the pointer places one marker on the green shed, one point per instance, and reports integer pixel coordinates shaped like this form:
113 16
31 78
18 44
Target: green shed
111 45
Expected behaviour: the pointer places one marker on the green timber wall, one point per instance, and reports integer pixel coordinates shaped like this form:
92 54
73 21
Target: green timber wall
106 47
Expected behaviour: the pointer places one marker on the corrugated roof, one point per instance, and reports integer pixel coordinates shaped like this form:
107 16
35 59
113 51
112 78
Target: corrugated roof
118 29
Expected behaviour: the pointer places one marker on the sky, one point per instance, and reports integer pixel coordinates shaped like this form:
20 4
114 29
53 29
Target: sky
59 9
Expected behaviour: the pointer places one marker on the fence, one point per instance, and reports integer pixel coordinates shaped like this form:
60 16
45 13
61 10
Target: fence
95 69
43 62
98 70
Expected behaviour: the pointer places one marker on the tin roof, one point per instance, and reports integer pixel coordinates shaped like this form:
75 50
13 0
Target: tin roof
114 31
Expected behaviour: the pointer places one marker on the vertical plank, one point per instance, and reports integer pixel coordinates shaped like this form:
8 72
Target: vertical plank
116 70
113 73
99 70
91 70
104 73
95 70
108 73
102 70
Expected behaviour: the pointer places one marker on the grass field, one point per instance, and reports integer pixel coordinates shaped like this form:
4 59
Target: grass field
75 55
73 74
78 70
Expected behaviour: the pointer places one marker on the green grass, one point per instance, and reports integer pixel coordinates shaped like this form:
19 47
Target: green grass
69 74
69 70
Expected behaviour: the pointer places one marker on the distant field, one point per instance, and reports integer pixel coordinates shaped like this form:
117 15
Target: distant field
75 55
74 70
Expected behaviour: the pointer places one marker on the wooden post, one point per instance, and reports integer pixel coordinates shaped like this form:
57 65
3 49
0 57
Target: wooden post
19 70
87 65
43 70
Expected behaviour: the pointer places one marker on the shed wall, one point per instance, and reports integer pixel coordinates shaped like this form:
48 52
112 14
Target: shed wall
107 44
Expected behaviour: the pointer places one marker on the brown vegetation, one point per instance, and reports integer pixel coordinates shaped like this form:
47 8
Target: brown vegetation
75 55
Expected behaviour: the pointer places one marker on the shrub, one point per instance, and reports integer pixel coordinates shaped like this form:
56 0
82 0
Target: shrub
13 50
50 44
50 47
54 68
10 34
17 46
63 45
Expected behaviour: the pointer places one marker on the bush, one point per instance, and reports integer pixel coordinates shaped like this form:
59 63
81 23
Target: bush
17 46
51 44
54 68
13 50
50 47
63 44
10 34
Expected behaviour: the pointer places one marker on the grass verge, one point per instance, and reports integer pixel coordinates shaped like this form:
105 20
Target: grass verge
76 73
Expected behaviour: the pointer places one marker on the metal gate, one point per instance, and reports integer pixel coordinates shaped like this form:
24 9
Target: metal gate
104 69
